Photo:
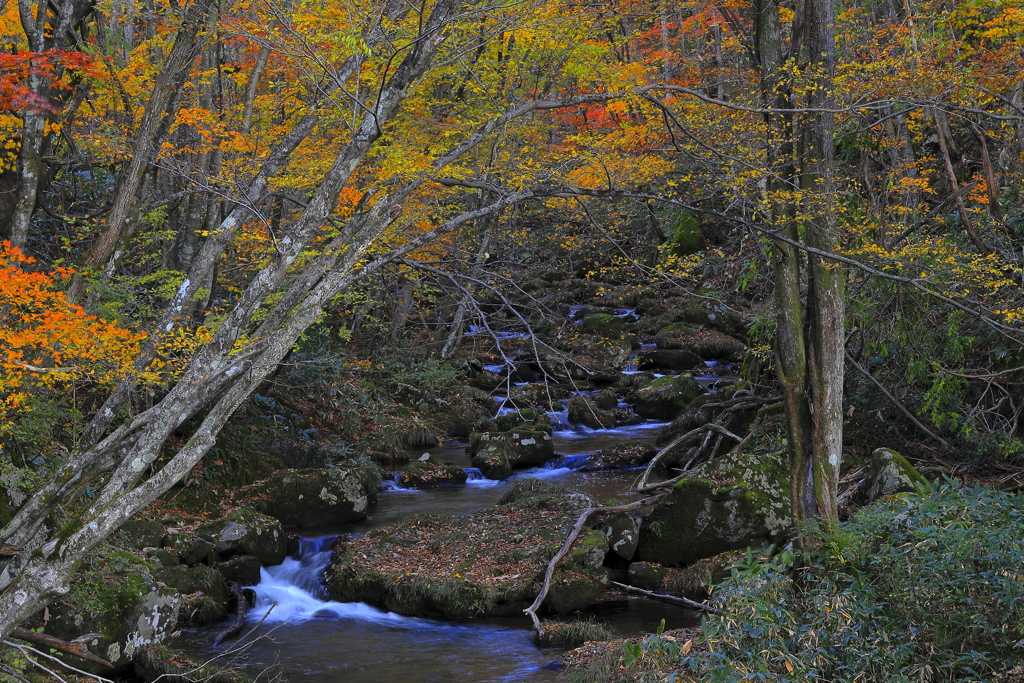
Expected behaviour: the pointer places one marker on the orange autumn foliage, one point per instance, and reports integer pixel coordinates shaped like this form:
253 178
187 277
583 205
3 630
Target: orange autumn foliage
47 343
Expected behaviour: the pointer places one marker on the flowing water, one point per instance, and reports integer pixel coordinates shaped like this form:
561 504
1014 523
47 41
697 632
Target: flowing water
309 639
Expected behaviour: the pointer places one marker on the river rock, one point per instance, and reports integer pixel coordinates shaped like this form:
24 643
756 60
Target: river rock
489 563
607 399
497 454
666 397
646 575
604 325
890 473
677 360
246 532
584 411
734 501
114 593
188 580
241 569
623 532
620 456
190 550
430 473
529 419
141 533
155 663
315 497
586 357
705 344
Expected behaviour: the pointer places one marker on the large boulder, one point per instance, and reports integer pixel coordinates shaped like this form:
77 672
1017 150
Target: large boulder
489 563
246 532
429 472
704 344
116 594
315 497
497 454
604 325
584 411
890 473
677 360
735 501
141 533
623 532
620 456
586 357
666 397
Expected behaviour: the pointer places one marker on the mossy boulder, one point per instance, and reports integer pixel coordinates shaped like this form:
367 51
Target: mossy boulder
620 456
241 569
705 344
489 563
246 532
160 663
315 497
585 357
646 575
607 399
497 454
431 472
584 411
140 533
530 419
187 580
190 549
116 594
685 237
604 325
199 609
890 473
623 532
735 501
666 397
668 359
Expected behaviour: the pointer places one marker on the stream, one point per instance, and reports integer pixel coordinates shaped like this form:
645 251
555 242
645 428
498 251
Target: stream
307 639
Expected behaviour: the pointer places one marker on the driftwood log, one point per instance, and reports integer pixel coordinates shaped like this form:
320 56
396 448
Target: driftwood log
74 647
236 627
665 597
573 534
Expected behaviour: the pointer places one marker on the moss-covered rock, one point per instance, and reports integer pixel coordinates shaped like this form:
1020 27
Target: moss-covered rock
241 569
316 497
246 532
187 580
620 456
199 609
587 357
431 472
705 344
623 532
190 549
140 533
646 575
115 593
677 360
583 411
490 563
734 501
607 399
497 454
890 473
666 397
530 419
604 325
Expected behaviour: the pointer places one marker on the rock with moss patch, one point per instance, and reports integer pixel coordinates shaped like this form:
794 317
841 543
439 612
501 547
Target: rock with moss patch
607 399
734 501
199 609
141 533
489 563
676 360
430 473
115 593
191 550
241 569
316 497
498 454
187 580
623 532
583 411
666 397
646 575
890 473
160 663
246 532
620 456
587 357
604 325
529 419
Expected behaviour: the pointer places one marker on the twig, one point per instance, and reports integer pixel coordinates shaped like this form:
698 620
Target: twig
910 416
574 533
685 602
23 649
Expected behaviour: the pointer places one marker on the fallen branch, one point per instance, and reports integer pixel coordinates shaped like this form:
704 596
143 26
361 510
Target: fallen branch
665 597
574 533
895 402
685 438
75 647
235 628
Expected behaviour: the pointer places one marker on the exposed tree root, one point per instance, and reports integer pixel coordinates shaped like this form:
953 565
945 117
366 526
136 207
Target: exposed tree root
573 534
236 627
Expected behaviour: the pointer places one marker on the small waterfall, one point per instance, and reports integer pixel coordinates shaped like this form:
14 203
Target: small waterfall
475 477
296 585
